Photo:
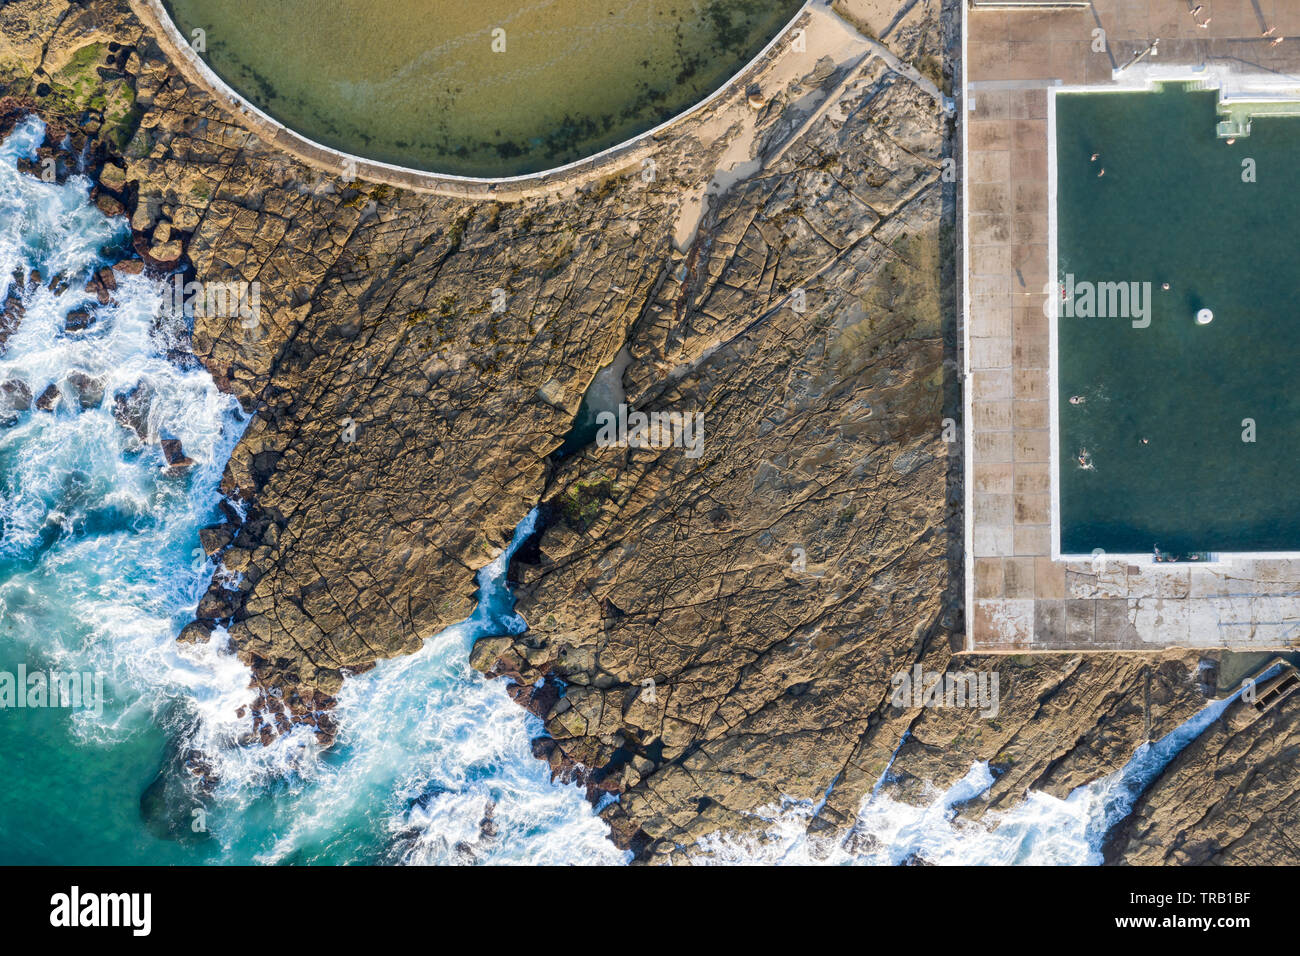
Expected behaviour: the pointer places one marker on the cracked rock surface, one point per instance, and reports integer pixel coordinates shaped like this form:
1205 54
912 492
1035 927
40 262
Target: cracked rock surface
707 635
1229 798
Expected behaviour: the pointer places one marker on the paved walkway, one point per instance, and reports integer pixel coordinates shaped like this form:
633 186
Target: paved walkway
1019 597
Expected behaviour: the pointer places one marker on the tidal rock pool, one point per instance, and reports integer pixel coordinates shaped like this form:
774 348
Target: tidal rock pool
491 88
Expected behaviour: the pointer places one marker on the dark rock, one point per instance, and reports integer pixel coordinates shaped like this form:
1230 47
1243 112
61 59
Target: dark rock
48 398
177 461
217 604
109 205
11 316
131 409
196 632
78 320
96 288
536 700
15 395
233 517
89 391
215 537
101 285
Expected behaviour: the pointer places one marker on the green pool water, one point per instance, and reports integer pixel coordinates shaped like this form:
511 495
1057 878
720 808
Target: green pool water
418 82
1172 207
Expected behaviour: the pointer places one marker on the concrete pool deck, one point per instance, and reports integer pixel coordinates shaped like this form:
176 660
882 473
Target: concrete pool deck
1021 594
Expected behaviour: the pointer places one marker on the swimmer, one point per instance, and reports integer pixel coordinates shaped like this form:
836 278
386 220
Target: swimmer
1165 286
1276 41
1100 174
1094 157
1206 24
1146 441
1077 399
1231 140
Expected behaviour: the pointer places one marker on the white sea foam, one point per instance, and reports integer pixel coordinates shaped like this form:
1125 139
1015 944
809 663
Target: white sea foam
96 570
96 538
444 758
1041 830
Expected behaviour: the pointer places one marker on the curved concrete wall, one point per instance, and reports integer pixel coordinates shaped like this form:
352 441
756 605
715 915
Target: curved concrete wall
336 162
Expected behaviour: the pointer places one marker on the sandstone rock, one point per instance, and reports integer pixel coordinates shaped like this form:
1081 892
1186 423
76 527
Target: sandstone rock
112 178
1224 800
185 218
771 668
142 218
166 253
196 632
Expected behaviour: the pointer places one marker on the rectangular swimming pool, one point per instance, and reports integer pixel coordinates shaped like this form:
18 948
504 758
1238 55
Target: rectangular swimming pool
1174 437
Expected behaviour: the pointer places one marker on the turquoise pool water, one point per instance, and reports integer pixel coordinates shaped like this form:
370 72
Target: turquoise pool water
1172 207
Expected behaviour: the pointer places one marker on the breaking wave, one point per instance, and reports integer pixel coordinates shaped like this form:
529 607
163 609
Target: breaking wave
1042 830
99 570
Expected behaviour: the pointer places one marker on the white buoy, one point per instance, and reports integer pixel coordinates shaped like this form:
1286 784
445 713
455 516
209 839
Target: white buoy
1204 317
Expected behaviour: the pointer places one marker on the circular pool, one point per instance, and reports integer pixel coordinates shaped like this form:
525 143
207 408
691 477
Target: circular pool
493 88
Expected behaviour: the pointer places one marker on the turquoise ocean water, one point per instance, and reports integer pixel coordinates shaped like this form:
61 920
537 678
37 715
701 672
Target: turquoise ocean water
97 575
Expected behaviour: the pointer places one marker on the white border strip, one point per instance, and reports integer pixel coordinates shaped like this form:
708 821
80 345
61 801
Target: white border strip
968 417
1053 371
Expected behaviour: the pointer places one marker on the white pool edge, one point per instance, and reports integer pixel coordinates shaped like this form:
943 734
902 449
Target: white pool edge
155 15
968 417
1145 80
